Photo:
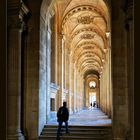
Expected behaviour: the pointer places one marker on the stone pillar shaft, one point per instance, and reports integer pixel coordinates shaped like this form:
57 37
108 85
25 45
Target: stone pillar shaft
14 83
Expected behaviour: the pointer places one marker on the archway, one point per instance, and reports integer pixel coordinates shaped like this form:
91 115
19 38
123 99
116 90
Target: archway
78 47
71 43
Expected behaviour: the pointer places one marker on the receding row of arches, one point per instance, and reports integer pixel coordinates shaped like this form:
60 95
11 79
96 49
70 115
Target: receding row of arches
79 38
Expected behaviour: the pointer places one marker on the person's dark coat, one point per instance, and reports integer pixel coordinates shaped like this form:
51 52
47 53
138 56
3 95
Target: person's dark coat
63 114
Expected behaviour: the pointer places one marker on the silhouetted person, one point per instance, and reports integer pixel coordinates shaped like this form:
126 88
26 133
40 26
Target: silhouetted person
62 116
91 105
94 104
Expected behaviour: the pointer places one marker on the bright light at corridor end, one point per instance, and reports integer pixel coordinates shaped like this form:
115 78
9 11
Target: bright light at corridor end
92 84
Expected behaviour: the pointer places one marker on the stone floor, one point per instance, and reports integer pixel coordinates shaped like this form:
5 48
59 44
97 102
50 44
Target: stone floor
89 117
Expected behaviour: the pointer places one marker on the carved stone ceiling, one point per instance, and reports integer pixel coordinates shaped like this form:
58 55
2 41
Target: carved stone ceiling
84 24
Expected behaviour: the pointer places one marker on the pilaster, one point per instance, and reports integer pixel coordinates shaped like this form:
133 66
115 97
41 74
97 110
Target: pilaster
16 25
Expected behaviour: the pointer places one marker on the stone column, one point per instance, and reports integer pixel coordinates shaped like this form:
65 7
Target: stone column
119 73
84 99
48 66
62 67
53 49
86 93
97 95
131 83
66 76
105 86
60 72
110 86
14 83
80 100
129 29
75 87
15 28
77 100
99 92
71 77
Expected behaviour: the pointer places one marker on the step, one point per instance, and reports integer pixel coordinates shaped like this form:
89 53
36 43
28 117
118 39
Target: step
73 138
77 133
80 126
98 131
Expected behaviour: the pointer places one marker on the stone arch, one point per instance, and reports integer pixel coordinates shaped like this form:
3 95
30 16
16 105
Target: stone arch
45 16
122 72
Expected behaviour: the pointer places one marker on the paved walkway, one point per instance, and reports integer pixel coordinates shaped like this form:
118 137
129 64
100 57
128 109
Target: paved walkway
89 117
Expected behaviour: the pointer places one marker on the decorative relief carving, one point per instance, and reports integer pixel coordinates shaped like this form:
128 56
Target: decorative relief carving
89 47
93 29
87 36
86 19
87 43
83 8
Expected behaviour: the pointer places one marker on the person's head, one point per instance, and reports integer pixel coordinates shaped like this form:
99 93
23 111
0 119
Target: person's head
64 104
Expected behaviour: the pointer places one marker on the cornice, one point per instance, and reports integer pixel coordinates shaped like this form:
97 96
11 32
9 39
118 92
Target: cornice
18 15
24 11
17 8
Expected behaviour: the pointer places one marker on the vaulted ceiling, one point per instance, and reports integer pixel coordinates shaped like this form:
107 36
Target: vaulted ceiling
85 25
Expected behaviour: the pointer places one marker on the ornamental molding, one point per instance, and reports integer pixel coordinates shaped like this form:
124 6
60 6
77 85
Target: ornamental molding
86 19
85 52
89 60
90 67
18 14
89 47
94 63
91 29
89 55
88 43
87 36
83 8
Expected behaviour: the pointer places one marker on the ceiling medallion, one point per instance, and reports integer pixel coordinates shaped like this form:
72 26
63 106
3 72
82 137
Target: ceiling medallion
87 36
85 19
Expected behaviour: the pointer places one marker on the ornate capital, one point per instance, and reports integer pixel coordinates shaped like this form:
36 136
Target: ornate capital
14 23
18 15
129 15
128 9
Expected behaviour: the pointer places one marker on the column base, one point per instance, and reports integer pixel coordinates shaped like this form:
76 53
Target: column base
118 139
15 137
